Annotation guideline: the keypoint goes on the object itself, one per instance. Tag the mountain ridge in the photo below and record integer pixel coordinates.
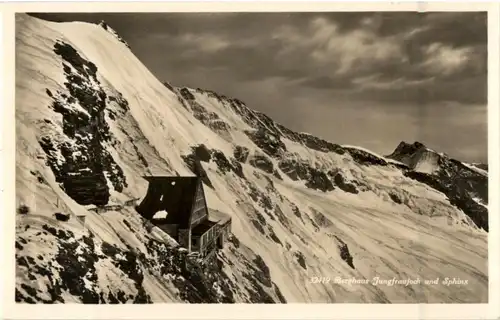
(88, 130)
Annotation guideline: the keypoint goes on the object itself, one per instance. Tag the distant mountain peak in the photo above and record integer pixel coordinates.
(408, 148)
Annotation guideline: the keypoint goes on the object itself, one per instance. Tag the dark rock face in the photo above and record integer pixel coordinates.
(268, 142)
(209, 119)
(86, 163)
(294, 169)
(458, 182)
(262, 162)
(23, 209)
(186, 94)
(202, 153)
(168, 85)
(405, 149)
(300, 259)
(460, 193)
(318, 144)
(76, 260)
(301, 170)
(395, 198)
(341, 182)
(222, 163)
(365, 158)
(237, 168)
(277, 174)
(319, 180)
(62, 216)
(241, 153)
(344, 252)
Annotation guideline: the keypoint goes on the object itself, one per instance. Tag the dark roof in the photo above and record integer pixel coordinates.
(172, 194)
(203, 227)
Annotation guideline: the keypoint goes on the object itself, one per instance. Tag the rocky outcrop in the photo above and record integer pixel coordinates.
(318, 144)
(267, 141)
(79, 160)
(186, 94)
(365, 158)
(319, 180)
(343, 184)
(463, 185)
(294, 168)
(262, 162)
(209, 119)
(344, 252)
(241, 153)
(404, 150)
(457, 194)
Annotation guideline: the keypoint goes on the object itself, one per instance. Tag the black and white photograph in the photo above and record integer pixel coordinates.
(251, 157)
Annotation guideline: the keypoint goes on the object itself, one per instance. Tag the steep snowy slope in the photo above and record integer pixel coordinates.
(91, 120)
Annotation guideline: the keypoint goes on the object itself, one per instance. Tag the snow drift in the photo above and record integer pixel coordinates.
(91, 120)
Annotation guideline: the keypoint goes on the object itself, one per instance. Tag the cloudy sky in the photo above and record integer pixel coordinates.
(371, 79)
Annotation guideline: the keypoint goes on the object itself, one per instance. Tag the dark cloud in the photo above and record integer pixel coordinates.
(325, 82)
(273, 60)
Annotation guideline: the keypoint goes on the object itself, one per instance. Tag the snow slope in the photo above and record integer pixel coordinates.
(90, 116)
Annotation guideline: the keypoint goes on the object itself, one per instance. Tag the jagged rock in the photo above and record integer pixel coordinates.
(296, 211)
(62, 216)
(458, 196)
(273, 235)
(186, 94)
(237, 168)
(318, 144)
(277, 174)
(39, 177)
(222, 163)
(460, 183)
(395, 198)
(168, 85)
(294, 169)
(87, 163)
(209, 119)
(365, 158)
(319, 180)
(341, 182)
(241, 153)
(404, 149)
(262, 162)
(300, 259)
(23, 209)
(344, 252)
(268, 142)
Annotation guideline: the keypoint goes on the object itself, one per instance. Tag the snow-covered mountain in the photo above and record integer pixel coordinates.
(91, 120)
